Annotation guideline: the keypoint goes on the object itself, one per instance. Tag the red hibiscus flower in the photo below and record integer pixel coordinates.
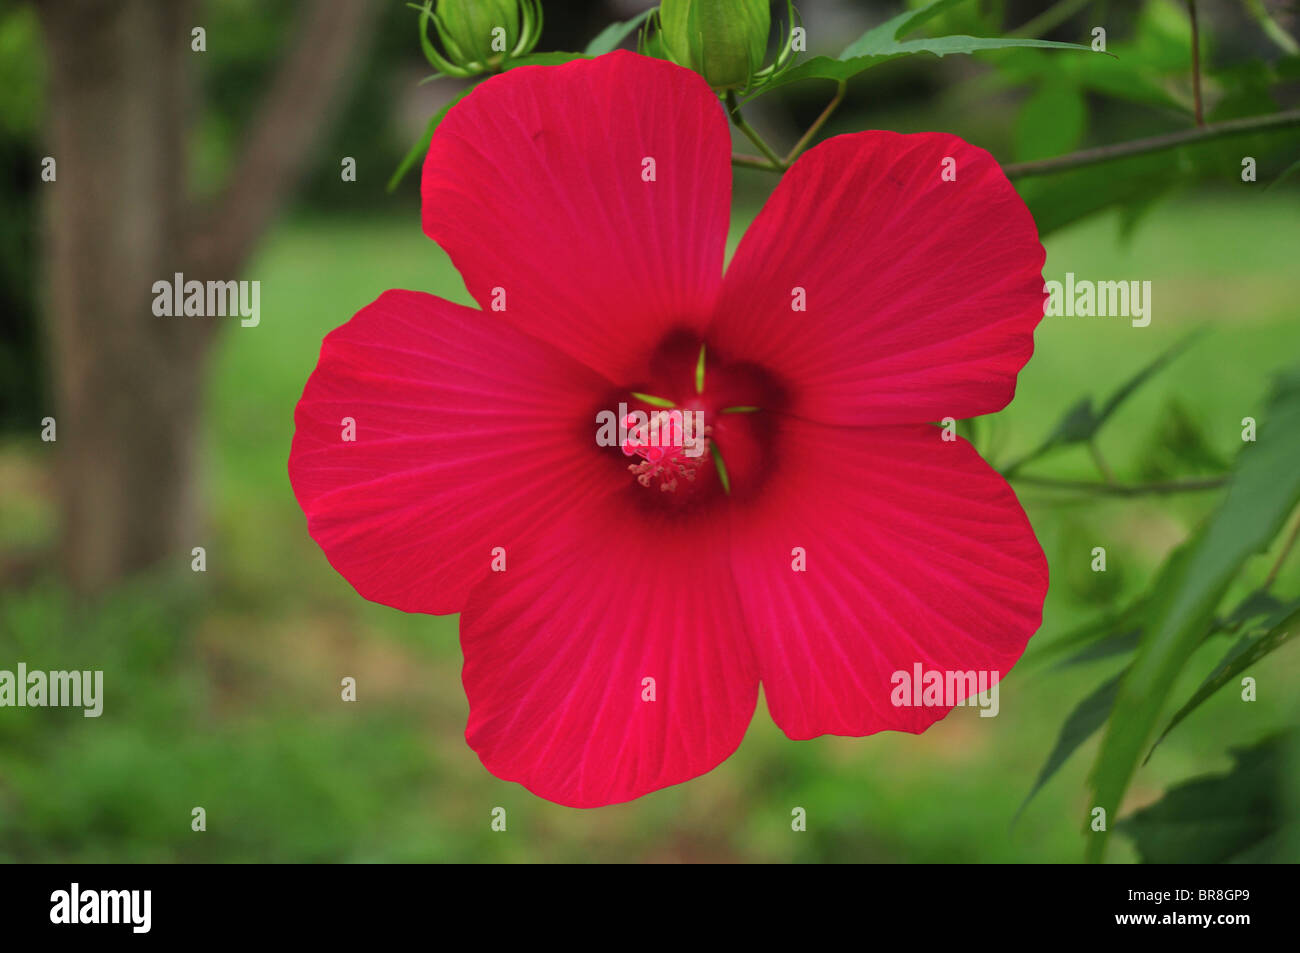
(616, 628)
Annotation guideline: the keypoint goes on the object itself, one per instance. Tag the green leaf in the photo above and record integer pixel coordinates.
(609, 38)
(421, 147)
(1117, 642)
(1220, 818)
(897, 27)
(1076, 425)
(1265, 487)
(1256, 613)
(885, 42)
(1088, 716)
(1134, 383)
(1081, 423)
(1248, 650)
(848, 65)
(1106, 638)
(1120, 634)
(1085, 636)
(1126, 635)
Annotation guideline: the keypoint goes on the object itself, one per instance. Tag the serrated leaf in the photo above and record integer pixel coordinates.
(1265, 487)
(825, 67)
(885, 42)
(897, 27)
(1247, 651)
(1121, 633)
(1219, 818)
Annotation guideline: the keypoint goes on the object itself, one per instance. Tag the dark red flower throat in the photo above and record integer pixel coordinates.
(699, 428)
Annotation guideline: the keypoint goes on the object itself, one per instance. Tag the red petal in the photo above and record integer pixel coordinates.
(916, 551)
(557, 649)
(469, 435)
(922, 294)
(533, 184)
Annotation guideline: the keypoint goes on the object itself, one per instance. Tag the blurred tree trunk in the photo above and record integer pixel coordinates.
(128, 385)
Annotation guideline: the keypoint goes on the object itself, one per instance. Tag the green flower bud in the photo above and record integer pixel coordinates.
(479, 35)
(725, 41)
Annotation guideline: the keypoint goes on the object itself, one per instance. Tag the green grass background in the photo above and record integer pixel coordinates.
(223, 688)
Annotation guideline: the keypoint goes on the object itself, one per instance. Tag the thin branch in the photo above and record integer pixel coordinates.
(1135, 147)
(807, 137)
(1123, 489)
(774, 163)
(1121, 150)
(1196, 63)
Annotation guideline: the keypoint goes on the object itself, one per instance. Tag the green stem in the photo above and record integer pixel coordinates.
(1271, 27)
(1123, 489)
(733, 109)
(752, 162)
(772, 163)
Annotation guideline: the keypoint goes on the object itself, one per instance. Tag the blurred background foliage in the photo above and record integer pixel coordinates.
(223, 688)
